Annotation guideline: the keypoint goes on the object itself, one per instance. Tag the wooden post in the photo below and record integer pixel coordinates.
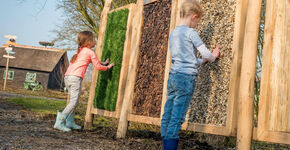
(168, 57)
(125, 60)
(128, 96)
(237, 53)
(67, 99)
(246, 95)
(6, 73)
(102, 28)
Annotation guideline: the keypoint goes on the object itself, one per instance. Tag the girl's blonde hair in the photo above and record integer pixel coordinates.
(85, 38)
(191, 7)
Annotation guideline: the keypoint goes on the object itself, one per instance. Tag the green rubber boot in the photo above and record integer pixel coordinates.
(70, 122)
(59, 123)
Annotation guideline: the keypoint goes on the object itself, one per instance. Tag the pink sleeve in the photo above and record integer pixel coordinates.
(97, 64)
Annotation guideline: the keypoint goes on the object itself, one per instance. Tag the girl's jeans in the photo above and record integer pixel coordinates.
(180, 88)
(74, 86)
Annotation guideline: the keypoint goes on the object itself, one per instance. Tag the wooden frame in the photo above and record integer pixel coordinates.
(275, 66)
(124, 68)
(239, 29)
(246, 92)
(230, 128)
(131, 79)
(154, 120)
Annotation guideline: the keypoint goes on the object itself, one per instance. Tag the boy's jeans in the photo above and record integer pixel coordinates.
(180, 88)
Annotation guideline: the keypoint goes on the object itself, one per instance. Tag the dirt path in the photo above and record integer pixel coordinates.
(22, 129)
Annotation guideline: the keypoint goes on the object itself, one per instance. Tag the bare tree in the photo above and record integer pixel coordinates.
(80, 15)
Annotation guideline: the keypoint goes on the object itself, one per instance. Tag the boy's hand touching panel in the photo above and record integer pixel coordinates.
(216, 52)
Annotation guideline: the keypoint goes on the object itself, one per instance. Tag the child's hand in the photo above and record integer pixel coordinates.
(106, 62)
(216, 52)
(110, 65)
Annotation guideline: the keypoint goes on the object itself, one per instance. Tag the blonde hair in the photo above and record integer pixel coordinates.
(191, 7)
(84, 40)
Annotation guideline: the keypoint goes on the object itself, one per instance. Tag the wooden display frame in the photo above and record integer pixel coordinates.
(231, 125)
(147, 119)
(274, 24)
(124, 69)
(230, 128)
(277, 37)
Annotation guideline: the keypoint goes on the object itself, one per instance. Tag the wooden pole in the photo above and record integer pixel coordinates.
(128, 96)
(246, 94)
(168, 56)
(237, 53)
(67, 99)
(6, 73)
(125, 61)
(89, 116)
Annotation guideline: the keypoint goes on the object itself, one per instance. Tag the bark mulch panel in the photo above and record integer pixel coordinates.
(152, 59)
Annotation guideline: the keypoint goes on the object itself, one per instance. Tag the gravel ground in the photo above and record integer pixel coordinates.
(22, 129)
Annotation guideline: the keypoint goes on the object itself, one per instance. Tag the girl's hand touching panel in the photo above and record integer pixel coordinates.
(106, 62)
(110, 65)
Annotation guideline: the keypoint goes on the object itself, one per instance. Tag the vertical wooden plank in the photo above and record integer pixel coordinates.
(168, 57)
(287, 24)
(280, 40)
(102, 28)
(6, 72)
(137, 25)
(275, 74)
(125, 63)
(237, 53)
(263, 118)
(246, 93)
(67, 98)
(286, 76)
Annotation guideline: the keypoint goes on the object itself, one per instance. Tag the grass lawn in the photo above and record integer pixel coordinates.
(45, 107)
(49, 108)
(44, 93)
(40, 106)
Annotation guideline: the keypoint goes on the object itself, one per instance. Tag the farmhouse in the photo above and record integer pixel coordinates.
(40, 65)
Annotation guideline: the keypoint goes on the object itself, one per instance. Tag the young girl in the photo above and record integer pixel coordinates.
(74, 76)
(184, 42)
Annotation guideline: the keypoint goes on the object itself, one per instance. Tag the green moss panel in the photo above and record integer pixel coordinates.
(108, 82)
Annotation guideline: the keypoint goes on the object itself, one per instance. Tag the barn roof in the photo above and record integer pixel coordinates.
(33, 58)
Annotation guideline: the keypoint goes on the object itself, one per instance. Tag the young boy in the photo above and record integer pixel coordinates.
(184, 42)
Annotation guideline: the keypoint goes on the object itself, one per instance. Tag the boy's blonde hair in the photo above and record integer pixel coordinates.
(191, 7)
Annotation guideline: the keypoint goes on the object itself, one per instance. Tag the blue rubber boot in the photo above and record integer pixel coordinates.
(163, 144)
(170, 144)
(70, 122)
(59, 123)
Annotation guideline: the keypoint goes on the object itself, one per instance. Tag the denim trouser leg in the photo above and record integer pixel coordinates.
(167, 108)
(181, 87)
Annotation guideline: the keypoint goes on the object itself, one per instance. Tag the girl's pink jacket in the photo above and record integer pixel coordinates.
(84, 58)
